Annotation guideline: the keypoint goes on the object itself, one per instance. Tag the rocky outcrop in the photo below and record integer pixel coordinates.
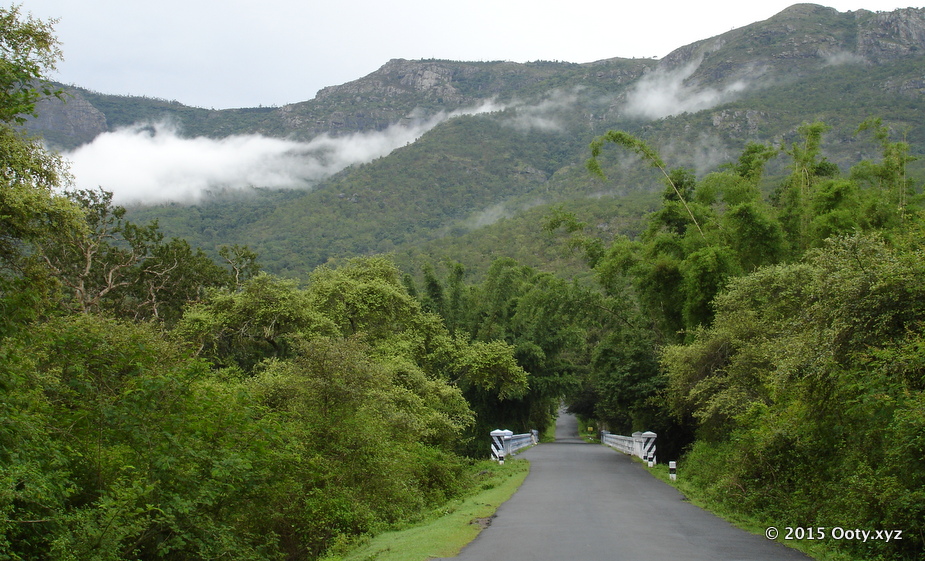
(797, 41)
(739, 121)
(385, 97)
(67, 123)
(891, 35)
(431, 79)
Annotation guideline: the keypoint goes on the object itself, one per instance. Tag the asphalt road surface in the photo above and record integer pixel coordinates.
(588, 502)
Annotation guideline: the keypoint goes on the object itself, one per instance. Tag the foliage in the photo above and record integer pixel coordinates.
(121, 443)
(727, 285)
(809, 382)
(546, 325)
(28, 50)
(122, 448)
(129, 270)
(30, 208)
(638, 146)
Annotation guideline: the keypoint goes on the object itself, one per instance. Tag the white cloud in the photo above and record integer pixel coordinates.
(664, 93)
(843, 57)
(153, 163)
(547, 115)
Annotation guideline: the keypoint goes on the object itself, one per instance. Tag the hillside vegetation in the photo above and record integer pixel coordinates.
(273, 374)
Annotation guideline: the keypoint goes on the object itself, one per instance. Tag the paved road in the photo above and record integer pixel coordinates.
(587, 502)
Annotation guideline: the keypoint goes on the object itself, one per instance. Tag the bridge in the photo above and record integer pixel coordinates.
(587, 502)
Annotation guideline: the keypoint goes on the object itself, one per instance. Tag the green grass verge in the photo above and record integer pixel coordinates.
(548, 434)
(449, 528)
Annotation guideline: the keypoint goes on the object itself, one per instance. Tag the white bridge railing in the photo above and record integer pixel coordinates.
(506, 443)
(641, 444)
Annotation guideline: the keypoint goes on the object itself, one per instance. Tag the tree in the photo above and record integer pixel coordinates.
(242, 260)
(794, 196)
(807, 389)
(262, 320)
(890, 175)
(28, 50)
(128, 270)
(88, 262)
(30, 209)
(116, 445)
(750, 165)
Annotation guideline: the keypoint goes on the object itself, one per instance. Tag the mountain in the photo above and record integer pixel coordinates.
(477, 186)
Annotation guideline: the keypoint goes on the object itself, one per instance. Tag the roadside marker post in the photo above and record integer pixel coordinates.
(673, 470)
(506, 443)
(498, 448)
(648, 447)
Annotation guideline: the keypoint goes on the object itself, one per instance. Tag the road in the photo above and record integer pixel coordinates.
(587, 502)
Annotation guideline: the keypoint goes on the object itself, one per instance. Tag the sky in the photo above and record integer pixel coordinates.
(243, 53)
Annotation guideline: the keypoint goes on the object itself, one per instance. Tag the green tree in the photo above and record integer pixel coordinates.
(751, 163)
(30, 208)
(794, 196)
(890, 176)
(28, 51)
(537, 322)
(121, 447)
(755, 237)
(89, 263)
(260, 321)
(124, 269)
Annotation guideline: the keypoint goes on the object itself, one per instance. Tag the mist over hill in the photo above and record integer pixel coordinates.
(423, 155)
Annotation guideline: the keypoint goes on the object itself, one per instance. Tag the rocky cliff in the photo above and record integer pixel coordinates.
(68, 122)
(799, 39)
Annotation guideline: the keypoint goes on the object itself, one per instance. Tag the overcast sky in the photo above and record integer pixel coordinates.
(241, 53)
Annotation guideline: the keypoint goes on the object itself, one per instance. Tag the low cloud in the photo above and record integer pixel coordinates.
(703, 155)
(663, 93)
(841, 58)
(154, 163)
(548, 115)
(488, 216)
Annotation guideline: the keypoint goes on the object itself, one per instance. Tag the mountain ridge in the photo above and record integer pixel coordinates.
(700, 105)
(402, 89)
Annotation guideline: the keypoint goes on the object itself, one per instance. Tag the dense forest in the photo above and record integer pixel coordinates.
(162, 403)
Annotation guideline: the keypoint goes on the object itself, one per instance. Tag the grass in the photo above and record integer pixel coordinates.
(450, 528)
(548, 434)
